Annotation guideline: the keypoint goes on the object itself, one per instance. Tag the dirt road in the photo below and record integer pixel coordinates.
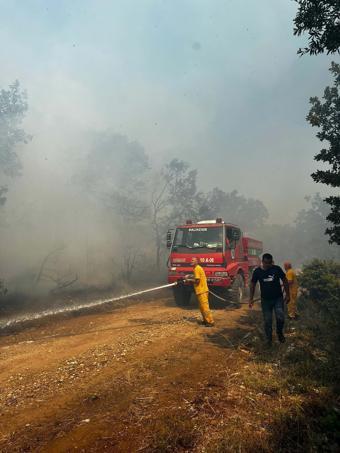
(148, 377)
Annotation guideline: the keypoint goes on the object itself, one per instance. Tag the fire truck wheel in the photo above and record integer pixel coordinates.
(237, 289)
(182, 296)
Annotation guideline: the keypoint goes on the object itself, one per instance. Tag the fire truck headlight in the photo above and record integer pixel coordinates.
(221, 274)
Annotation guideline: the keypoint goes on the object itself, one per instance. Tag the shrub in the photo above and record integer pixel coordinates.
(321, 281)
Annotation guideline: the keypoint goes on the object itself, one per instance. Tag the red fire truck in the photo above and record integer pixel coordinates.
(226, 254)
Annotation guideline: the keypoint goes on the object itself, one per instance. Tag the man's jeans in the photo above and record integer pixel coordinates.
(267, 309)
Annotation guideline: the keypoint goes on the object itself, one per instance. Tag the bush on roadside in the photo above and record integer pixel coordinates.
(320, 281)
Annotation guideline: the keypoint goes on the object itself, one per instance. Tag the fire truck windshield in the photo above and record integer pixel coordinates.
(206, 239)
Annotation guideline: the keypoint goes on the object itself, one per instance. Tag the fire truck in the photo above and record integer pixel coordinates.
(227, 255)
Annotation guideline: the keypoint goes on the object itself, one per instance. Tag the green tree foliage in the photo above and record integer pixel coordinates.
(321, 20)
(13, 107)
(321, 280)
(326, 116)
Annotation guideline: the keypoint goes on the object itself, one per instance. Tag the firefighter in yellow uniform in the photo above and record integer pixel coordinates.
(293, 289)
(202, 292)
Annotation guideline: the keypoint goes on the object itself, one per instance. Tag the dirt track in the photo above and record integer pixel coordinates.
(120, 380)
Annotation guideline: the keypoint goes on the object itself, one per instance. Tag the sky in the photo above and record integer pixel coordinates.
(217, 83)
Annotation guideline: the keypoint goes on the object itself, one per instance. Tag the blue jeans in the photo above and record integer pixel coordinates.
(268, 306)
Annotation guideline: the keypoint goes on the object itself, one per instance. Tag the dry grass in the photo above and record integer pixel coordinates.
(174, 433)
(284, 399)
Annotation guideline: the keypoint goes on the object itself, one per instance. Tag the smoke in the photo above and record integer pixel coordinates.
(216, 84)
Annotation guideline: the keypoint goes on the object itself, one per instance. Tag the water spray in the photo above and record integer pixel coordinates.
(75, 308)
(96, 303)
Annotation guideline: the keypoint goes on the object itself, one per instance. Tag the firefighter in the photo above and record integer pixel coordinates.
(293, 289)
(269, 276)
(202, 292)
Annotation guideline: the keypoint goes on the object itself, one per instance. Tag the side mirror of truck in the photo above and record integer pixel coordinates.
(168, 239)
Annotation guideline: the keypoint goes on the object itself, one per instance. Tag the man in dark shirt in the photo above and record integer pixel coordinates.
(270, 276)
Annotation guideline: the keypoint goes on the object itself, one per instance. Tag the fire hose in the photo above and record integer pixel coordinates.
(169, 285)
(182, 281)
(231, 302)
(96, 303)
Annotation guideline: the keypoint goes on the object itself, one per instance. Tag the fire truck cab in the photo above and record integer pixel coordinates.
(227, 255)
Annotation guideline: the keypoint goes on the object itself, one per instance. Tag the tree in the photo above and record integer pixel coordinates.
(310, 225)
(280, 241)
(183, 196)
(130, 261)
(52, 272)
(326, 116)
(13, 107)
(116, 172)
(174, 198)
(159, 206)
(321, 281)
(249, 213)
(305, 239)
(319, 18)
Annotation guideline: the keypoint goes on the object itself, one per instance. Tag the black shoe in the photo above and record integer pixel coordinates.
(281, 338)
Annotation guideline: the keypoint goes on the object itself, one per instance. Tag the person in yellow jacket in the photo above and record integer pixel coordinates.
(293, 289)
(202, 292)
